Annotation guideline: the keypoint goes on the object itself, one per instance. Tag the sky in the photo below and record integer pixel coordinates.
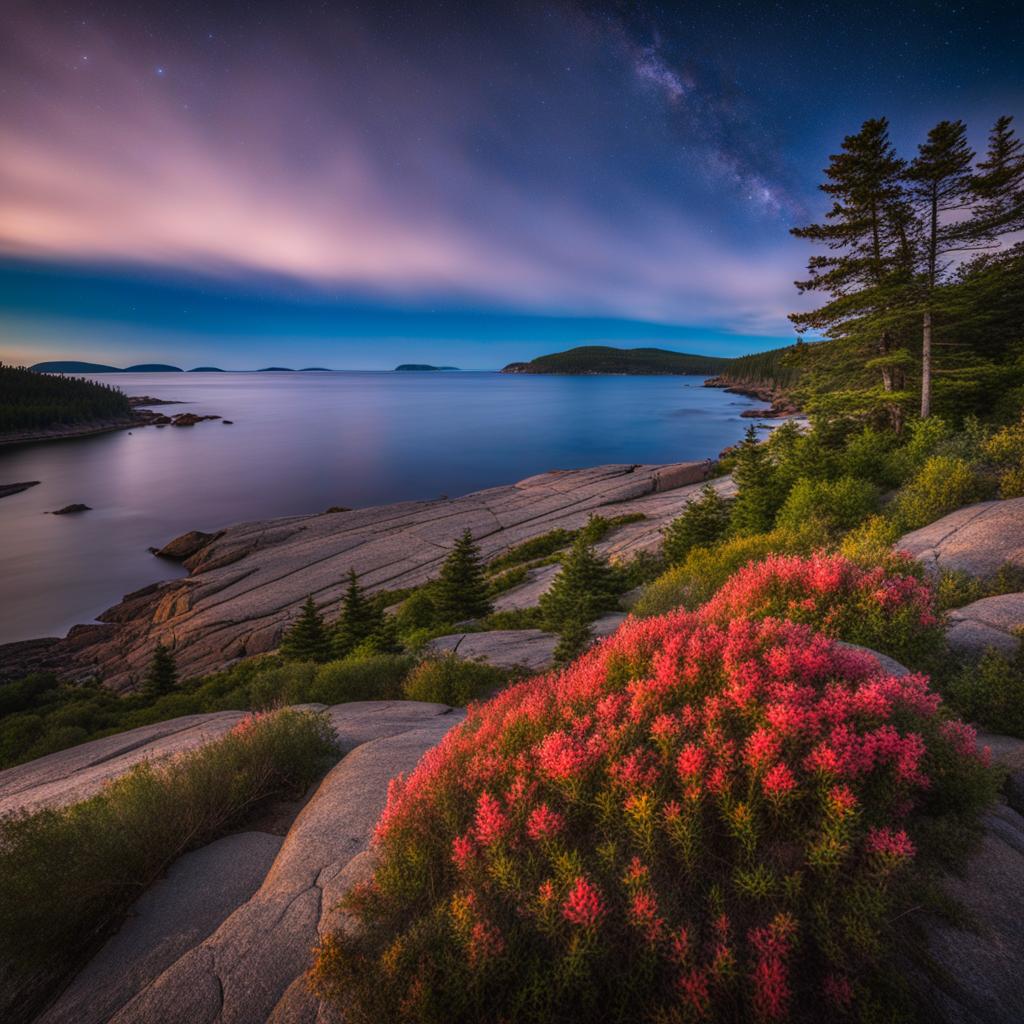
(356, 185)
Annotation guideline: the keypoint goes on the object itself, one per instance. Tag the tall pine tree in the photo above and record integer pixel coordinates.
(999, 182)
(162, 676)
(361, 619)
(869, 268)
(307, 638)
(942, 186)
(461, 591)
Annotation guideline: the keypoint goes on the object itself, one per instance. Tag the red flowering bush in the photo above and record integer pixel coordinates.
(694, 821)
(887, 609)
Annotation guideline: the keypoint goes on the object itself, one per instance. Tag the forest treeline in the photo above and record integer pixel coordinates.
(36, 401)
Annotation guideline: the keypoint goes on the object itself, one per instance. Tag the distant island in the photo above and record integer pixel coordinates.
(596, 359)
(320, 369)
(421, 366)
(74, 366)
(206, 369)
(276, 369)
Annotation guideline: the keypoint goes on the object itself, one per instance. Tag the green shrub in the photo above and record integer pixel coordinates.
(955, 588)
(537, 547)
(839, 505)
(451, 680)
(942, 485)
(508, 579)
(69, 875)
(1005, 449)
(706, 569)
(867, 455)
(418, 611)
(704, 521)
(368, 677)
(871, 542)
(991, 692)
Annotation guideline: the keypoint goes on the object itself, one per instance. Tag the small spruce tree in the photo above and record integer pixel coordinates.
(573, 639)
(162, 676)
(361, 619)
(586, 586)
(461, 591)
(703, 521)
(307, 638)
(759, 497)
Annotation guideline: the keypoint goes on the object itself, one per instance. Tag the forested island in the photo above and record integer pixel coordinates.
(595, 359)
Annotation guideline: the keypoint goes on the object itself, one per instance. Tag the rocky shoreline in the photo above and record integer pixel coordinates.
(247, 582)
(781, 405)
(141, 416)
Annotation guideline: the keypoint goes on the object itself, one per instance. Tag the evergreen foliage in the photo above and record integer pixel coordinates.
(702, 522)
(307, 639)
(758, 497)
(585, 587)
(162, 676)
(35, 401)
(361, 620)
(461, 591)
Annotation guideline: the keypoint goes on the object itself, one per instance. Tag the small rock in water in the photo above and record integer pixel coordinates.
(68, 509)
(227, 423)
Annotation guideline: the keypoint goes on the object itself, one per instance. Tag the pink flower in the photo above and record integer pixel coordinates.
(543, 822)
(643, 914)
(892, 847)
(691, 760)
(463, 850)
(485, 943)
(490, 822)
(778, 781)
(583, 906)
(838, 991)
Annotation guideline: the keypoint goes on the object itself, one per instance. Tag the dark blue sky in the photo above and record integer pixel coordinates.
(357, 185)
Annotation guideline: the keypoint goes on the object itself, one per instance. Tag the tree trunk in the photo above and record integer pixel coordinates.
(884, 346)
(926, 366)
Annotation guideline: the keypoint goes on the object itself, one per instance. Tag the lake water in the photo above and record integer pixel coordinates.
(302, 442)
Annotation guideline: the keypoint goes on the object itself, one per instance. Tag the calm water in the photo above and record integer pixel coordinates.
(301, 443)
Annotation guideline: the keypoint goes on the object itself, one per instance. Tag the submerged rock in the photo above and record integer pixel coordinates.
(69, 509)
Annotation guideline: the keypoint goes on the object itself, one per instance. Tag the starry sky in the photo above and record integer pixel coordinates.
(360, 184)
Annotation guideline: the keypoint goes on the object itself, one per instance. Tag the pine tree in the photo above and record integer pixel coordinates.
(307, 638)
(999, 182)
(759, 496)
(942, 185)
(162, 676)
(702, 522)
(868, 273)
(586, 586)
(573, 639)
(461, 590)
(361, 619)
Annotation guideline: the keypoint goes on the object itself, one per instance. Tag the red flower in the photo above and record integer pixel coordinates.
(583, 906)
(490, 822)
(543, 822)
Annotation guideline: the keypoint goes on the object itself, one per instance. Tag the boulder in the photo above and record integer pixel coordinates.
(979, 539)
(186, 545)
(201, 889)
(977, 980)
(531, 649)
(990, 622)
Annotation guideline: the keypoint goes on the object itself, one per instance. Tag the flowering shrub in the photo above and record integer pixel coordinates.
(879, 607)
(694, 821)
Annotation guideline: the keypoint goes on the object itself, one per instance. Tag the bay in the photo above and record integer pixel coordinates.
(300, 443)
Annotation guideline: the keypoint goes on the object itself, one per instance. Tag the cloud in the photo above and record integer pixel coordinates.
(386, 176)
